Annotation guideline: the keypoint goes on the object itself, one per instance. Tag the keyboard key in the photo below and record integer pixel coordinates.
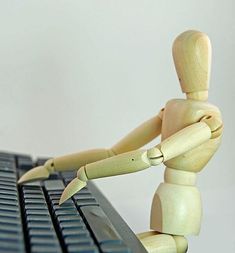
(41, 161)
(82, 249)
(33, 196)
(9, 208)
(10, 202)
(7, 168)
(55, 195)
(35, 190)
(74, 224)
(7, 156)
(35, 201)
(51, 185)
(37, 212)
(84, 198)
(48, 233)
(39, 218)
(12, 238)
(35, 206)
(6, 174)
(39, 225)
(83, 240)
(8, 247)
(100, 225)
(82, 195)
(86, 202)
(10, 229)
(24, 162)
(114, 248)
(61, 211)
(47, 249)
(10, 197)
(8, 188)
(67, 232)
(44, 240)
(69, 218)
(69, 206)
(67, 203)
(10, 215)
(7, 192)
(9, 219)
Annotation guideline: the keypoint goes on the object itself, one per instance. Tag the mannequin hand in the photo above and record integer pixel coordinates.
(38, 173)
(74, 186)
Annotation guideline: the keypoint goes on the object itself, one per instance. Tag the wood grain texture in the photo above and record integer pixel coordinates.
(155, 242)
(140, 136)
(77, 160)
(158, 243)
(184, 140)
(180, 114)
(129, 162)
(180, 209)
(192, 58)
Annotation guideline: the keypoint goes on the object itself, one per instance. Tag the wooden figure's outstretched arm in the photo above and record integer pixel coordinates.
(177, 144)
(140, 136)
(134, 140)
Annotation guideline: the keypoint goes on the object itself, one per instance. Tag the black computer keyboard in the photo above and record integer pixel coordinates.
(31, 219)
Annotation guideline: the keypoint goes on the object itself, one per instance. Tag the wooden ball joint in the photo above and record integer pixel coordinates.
(190, 130)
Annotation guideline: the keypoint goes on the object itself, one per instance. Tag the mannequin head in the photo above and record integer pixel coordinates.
(192, 58)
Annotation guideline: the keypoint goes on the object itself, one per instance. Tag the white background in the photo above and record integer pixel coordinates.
(76, 75)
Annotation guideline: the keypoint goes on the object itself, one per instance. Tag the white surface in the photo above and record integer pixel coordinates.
(81, 74)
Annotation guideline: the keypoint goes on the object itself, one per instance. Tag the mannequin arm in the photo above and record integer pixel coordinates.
(177, 144)
(140, 136)
(134, 140)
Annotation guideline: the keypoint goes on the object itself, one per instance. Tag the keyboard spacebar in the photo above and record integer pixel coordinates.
(101, 226)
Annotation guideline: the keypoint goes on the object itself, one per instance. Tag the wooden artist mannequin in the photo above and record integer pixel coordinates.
(190, 132)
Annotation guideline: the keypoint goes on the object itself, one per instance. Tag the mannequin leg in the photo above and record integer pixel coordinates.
(155, 242)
